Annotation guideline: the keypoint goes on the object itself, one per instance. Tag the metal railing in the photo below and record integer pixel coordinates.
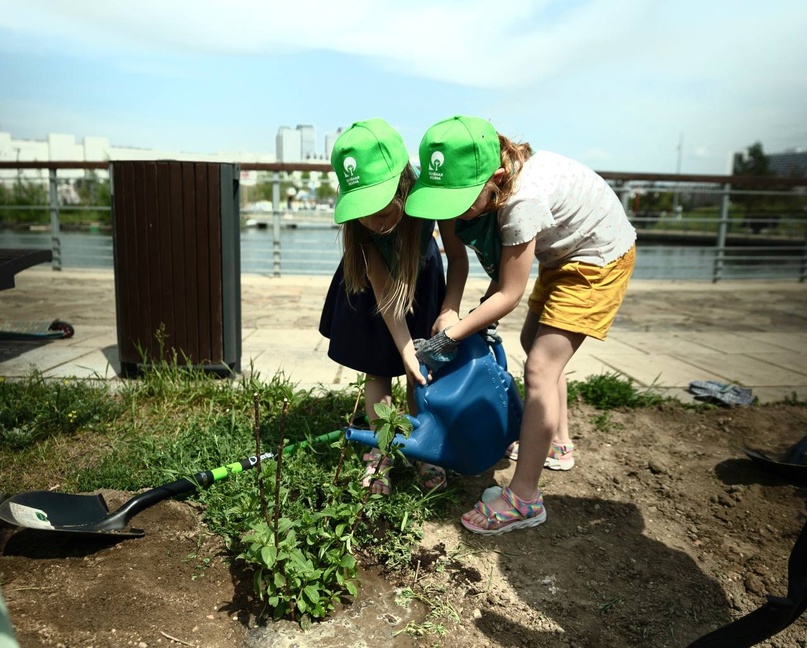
(714, 240)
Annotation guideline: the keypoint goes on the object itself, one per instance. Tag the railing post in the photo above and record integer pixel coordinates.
(623, 192)
(803, 273)
(276, 224)
(55, 238)
(722, 234)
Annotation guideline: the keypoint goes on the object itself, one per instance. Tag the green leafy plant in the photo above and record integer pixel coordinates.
(308, 566)
(389, 424)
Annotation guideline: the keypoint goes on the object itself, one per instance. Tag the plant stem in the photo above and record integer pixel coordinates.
(281, 438)
(343, 451)
(257, 430)
(279, 466)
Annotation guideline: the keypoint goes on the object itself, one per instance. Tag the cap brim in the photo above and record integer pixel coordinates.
(365, 201)
(440, 203)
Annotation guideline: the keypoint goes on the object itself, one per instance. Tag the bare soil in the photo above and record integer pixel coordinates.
(663, 532)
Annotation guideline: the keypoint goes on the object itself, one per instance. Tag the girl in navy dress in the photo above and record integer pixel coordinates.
(383, 296)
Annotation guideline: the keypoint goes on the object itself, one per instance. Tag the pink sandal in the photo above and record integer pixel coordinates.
(432, 478)
(522, 514)
(377, 473)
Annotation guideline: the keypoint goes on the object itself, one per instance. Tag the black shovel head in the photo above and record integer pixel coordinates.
(61, 512)
(790, 471)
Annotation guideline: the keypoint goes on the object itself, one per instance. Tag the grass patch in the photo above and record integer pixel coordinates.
(299, 522)
(611, 391)
(35, 409)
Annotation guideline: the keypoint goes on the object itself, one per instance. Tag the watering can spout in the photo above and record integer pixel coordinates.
(423, 444)
(466, 417)
(365, 437)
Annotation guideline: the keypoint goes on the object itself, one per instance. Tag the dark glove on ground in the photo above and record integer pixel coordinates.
(437, 351)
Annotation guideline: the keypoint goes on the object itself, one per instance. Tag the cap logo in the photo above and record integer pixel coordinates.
(435, 166)
(351, 177)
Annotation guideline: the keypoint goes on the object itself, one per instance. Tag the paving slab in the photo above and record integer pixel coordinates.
(662, 343)
(785, 340)
(727, 342)
(659, 369)
(748, 371)
(667, 333)
(795, 361)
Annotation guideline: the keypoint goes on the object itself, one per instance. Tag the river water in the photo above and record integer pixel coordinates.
(316, 251)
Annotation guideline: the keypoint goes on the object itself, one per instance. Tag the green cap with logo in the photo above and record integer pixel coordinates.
(368, 159)
(457, 157)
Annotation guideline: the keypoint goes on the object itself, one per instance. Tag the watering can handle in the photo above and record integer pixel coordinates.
(420, 390)
(499, 355)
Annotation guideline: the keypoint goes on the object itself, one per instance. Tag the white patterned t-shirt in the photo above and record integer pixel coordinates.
(570, 211)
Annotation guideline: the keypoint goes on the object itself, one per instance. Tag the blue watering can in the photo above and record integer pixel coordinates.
(467, 415)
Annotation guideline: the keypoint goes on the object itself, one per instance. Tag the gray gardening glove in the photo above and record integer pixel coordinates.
(489, 333)
(437, 351)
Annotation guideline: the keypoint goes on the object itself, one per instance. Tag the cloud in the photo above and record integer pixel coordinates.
(461, 42)
(455, 41)
(582, 77)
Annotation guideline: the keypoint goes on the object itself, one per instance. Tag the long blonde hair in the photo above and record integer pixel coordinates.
(399, 294)
(514, 155)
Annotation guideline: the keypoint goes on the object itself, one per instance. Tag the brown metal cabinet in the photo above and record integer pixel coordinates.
(176, 245)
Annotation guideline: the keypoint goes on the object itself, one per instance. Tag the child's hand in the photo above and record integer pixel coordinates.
(412, 368)
(445, 319)
(436, 351)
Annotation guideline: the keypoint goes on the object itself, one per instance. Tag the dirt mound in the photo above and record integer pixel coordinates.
(663, 532)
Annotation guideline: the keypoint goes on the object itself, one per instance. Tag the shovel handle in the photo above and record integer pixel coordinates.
(206, 478)
(120, 518)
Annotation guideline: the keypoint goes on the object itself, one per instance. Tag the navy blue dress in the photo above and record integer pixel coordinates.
(359, 337)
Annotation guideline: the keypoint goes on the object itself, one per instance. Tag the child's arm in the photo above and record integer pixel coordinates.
(504, 297)
(456, 275)
(379, 276)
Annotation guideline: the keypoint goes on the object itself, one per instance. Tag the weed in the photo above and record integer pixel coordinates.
(34, 409)
(439, 608)
(612, 390)
(604, 422)
(793, 399)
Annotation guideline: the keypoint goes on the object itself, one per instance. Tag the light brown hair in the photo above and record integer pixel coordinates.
(399, 294)
(514, 155)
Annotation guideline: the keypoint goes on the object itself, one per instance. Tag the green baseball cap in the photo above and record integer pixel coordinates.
(457, 157)
(368, 159)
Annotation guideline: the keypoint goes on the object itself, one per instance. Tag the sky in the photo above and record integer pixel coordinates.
(620, 85)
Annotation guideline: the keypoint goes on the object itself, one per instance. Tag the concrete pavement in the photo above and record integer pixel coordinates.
(667, 334)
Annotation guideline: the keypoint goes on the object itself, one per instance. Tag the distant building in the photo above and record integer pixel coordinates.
(59, 147)
(308, 142)
(330, 140)
(791, 163)
(288, 144)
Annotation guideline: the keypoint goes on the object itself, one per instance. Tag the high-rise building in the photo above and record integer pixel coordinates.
(308, 141)
(330, 140)
(288, 145)
(789, 163)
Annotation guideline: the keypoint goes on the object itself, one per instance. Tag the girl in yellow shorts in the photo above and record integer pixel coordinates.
(511, 205)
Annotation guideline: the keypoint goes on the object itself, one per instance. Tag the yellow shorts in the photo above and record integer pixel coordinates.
(581, 297)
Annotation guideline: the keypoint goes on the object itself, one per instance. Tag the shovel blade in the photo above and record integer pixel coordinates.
(49, 511)
(797, 472)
